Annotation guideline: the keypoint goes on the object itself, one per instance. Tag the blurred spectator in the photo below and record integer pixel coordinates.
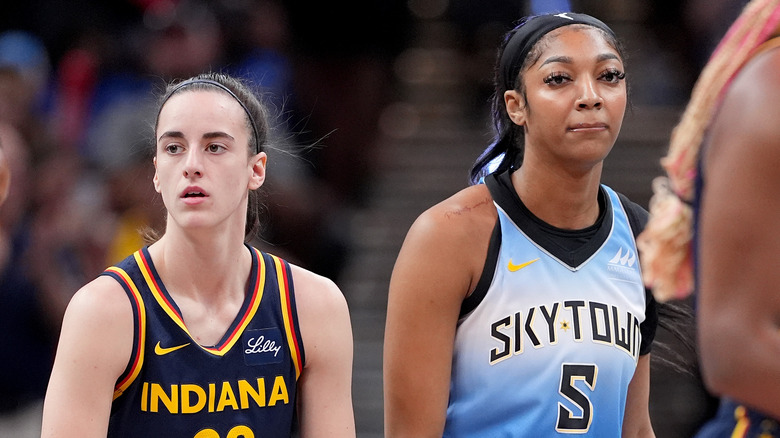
(184, 38)
(24, 77)
(341, 56)
(343, 79)
(297, 222)
(27, 344)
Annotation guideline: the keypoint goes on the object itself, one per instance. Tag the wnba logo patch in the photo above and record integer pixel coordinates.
(263, 346)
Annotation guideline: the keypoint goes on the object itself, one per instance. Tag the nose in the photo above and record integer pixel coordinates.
(589, 96)
(193, 164)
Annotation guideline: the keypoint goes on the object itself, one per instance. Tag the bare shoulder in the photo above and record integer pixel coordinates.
(315, 292)
(94, 349)
(444, 251)
(759, 76)
(467, 216)
(749, 112)
(102, 300)
(101, 313)
(466, 207)
(324, 320)
(325, 391)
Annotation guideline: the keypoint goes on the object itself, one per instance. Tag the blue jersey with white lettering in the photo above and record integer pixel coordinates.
(244, 386)
(551, 337)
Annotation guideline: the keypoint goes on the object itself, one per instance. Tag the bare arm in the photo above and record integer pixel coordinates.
(94, 348)
(636, 422)
(325, 387)
(434, 271)
(739, 302)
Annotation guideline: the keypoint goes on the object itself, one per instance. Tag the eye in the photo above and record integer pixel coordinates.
(557, 78)
(612, 75)
(215, 148)
(173, 148)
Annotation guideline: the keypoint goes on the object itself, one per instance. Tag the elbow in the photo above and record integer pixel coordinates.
(733, 354)
(722, 346)
(717, 378)
(719, 363)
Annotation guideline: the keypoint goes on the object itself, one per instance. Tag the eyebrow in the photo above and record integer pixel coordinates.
(569, 60)
(208, 135)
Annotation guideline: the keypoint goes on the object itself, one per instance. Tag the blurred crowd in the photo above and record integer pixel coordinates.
(78, 81)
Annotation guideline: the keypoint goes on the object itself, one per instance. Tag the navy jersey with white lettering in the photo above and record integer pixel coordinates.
(549, 341)
(244, 386)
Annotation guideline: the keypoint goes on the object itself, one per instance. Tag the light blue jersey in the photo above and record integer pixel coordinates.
(551, 347)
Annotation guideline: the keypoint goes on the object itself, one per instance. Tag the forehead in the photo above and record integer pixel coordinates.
(575, 39)
(201, 106)
(200, 99)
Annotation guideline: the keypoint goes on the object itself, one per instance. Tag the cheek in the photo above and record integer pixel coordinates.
(162, 178)
(616, 97)
(618, 108)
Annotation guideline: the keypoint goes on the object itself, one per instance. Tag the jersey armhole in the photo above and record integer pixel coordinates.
(136, 360)
(472, 301)
(294, 334)
(288, 308)
(637, 216)
(637, 219)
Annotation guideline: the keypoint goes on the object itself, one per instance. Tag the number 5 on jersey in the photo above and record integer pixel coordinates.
(568, 421)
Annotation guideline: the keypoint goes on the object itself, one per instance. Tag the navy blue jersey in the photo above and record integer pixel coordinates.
(734, 420)
(244, 386)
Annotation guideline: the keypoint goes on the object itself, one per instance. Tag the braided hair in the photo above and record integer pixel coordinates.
(665, 244)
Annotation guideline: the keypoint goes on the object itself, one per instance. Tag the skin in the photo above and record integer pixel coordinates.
(5, 176)
(738, 307)
(202, 144)
(571, 128)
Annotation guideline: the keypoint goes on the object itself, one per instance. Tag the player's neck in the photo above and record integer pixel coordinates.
(199, 268)
(561, 201)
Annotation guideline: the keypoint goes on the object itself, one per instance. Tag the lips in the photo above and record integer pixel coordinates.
(588, 127)
(193, 192)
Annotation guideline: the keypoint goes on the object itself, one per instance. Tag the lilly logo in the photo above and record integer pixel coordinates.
(262, 346)
(628, 259)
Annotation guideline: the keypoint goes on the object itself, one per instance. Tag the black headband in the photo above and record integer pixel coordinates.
(527, 34)
(189, 82)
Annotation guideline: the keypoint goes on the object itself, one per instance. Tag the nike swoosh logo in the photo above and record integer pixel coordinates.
(513, 267)
(160, 351)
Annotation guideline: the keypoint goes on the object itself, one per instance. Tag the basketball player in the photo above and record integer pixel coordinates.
(516, 307)
(200, 335)
(721, 190)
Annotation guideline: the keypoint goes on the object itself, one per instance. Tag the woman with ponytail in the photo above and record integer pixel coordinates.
(199, 334)
(516, 307)
(713, 222)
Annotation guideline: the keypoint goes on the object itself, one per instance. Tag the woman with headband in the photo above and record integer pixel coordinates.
(199, 335)
(719, 208)
(516, 307)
